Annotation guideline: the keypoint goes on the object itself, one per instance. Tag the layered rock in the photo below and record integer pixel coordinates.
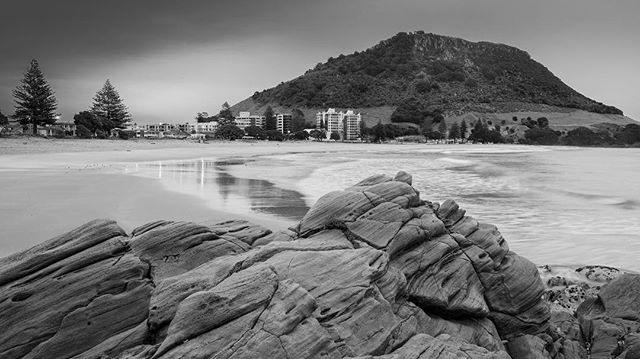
(371, 271)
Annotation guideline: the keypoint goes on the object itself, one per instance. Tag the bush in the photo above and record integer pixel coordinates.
(229, 132)
(256, 132)
(335, 136)
(583, 136)
(300, 135)
(83, 132)
(274, 135)
(541, 136)
(124, 135)
(450, 76)
(102, 134)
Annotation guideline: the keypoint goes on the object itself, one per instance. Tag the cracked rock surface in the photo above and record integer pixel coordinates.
(372, 271)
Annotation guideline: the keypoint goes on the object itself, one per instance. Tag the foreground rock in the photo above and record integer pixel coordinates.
(371, 271)
(595, 311)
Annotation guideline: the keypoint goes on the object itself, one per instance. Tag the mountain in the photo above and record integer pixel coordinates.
(449, 74)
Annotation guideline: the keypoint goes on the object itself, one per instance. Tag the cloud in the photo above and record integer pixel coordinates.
(195, 55)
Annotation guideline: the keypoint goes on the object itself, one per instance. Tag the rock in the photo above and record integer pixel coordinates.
(424, 346)
(621, 297)
(176, 247)
(370, 271)
(240, 294)
(403, 176)
(528, 347)
(240, 230)
(86, 290)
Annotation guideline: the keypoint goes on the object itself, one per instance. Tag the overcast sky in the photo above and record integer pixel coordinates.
(171, 59)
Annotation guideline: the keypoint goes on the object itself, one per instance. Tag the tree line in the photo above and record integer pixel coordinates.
(36, 105)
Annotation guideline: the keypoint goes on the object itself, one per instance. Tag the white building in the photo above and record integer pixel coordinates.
(284, 123)
(346, 124)
(203, 127)
(245, 119)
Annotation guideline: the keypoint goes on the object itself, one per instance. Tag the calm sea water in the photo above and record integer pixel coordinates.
(554, 205)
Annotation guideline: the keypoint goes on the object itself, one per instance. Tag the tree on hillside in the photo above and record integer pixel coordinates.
(108, 105)
(226, 116)
(454, 131)
(270, 123)
(364, 130)
(442, 128)
(463, 129)
(298, 120)
(35, 100)
(379, 132)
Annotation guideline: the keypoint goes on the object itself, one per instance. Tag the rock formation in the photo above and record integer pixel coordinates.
(369, 272)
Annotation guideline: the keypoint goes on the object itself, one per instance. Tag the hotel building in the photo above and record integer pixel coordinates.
(284, 123)
(245, 119)
(346, 124)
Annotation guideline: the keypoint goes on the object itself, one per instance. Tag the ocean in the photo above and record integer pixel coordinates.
(554, 205)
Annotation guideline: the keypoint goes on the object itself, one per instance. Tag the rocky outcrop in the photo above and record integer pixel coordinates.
(371, 271)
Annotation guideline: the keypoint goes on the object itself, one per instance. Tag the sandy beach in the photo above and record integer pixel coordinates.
(49, 186)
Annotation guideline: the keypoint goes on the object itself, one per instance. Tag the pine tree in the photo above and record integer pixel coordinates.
(108, 106)
(442, 128)
(454, 131)
(35, 100)
(225, 116)
(463, 129)
(270, 121)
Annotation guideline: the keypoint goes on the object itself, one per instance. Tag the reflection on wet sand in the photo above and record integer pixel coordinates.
(209, 179)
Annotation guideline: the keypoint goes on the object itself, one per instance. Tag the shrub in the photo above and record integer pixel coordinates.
(541, 136)
(300, 135)
(335, 136)
(583, 136)
(229, 132)
(124, 135)
(274, 135)
(83, 132)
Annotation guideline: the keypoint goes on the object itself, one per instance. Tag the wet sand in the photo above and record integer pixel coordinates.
(49, 186)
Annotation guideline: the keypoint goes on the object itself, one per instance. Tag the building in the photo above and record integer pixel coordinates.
(351, 122)
(245, 119)
(68, 127)
(346, 124)
(284, 123)
(206, 127)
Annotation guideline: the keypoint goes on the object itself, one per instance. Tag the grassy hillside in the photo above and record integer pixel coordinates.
(450, 74)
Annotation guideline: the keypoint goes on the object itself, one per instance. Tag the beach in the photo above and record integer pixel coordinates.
(50, 186)
(555, 205)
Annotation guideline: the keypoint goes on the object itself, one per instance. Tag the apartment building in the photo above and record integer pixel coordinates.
(284, 123)
(245, 119)
(346, 124)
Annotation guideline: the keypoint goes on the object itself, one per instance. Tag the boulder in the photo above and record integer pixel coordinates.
(371, 271)
(84, 289)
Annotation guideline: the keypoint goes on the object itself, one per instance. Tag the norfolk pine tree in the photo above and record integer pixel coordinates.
(108, 105)
(35, 100)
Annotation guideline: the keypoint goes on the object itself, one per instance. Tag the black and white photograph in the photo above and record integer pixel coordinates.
(328, 179)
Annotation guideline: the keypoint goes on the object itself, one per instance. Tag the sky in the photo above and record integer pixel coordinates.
(172, 59)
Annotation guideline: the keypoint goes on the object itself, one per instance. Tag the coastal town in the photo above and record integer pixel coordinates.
(331, 124)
